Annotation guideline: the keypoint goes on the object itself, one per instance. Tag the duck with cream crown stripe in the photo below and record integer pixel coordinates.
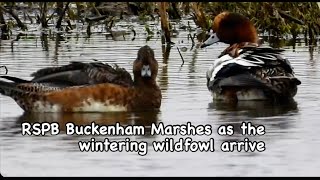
(143, 94)
(246, 70)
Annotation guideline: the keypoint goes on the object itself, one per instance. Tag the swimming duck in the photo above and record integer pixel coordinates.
(143, 94)
(246, 70)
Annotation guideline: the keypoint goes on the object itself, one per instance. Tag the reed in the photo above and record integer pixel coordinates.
(282, 20)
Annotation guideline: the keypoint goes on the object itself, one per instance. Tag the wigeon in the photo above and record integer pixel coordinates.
(246, 70)
(89, 87)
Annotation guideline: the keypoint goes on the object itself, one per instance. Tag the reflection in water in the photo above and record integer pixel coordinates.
(58, 40)
(311, 51)
(163, 73)
(166, 53)
(288, 126)
(256, 108)
(44, 41)
(192, 66)
(257, 112)
(129, 118)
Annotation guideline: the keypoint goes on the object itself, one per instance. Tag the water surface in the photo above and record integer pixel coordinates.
(292, 141)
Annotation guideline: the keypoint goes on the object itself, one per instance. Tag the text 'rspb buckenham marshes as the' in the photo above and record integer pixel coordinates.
(168, 144)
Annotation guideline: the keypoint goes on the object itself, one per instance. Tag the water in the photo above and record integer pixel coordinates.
(291, 139)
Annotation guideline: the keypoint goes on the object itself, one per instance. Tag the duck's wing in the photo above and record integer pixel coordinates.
(18, 85)
(19, 81)
(266, 57)
(250, 59)
(14, 79)
(262, 67)
(31, 96)
(78, 73)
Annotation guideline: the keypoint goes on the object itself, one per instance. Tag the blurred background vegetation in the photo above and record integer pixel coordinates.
(274, 20)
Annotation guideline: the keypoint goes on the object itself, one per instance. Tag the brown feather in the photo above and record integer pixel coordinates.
(142, 95)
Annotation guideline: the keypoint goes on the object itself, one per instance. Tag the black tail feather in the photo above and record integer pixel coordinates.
(15, 79)
(6, 88)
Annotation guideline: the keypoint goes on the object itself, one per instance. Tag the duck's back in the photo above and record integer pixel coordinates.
(78, 73)
(263, 69)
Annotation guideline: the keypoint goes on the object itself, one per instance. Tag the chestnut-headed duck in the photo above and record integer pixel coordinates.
(50, 94)
(246, 70)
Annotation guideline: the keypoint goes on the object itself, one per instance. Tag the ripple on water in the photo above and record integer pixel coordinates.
(291, 131)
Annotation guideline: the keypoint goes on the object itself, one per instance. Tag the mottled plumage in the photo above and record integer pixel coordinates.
(257, 73)
(91, 95)
(78, 73)
(245, 70)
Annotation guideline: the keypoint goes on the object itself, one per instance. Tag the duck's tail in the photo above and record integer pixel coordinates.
(14, 79)
(24, 96)
(11, 89)
(276, 88)
(283, 86)
(6, 88)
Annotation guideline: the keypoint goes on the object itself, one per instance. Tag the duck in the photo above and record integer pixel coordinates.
(247, 69)
(52, 90)
(78, 73)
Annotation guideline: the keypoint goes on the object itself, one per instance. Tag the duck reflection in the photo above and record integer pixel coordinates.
(256, 108)
(274, 116)
(145, 118)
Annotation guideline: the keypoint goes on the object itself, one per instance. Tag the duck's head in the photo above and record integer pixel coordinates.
(145, 67)
(231, 28)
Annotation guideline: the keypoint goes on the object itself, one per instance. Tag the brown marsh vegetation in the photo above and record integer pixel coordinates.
(274, 20)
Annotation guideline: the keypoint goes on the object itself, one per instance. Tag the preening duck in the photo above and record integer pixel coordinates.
(77, 74)
(94, 87)
(245, 70)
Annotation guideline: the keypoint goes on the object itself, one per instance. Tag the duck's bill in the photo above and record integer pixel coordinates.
(146, 71)
(211, 40)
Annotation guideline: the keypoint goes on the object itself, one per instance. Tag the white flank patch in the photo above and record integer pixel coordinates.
(93, 106)
(45, 107)
(216, 63)
(225, 60)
